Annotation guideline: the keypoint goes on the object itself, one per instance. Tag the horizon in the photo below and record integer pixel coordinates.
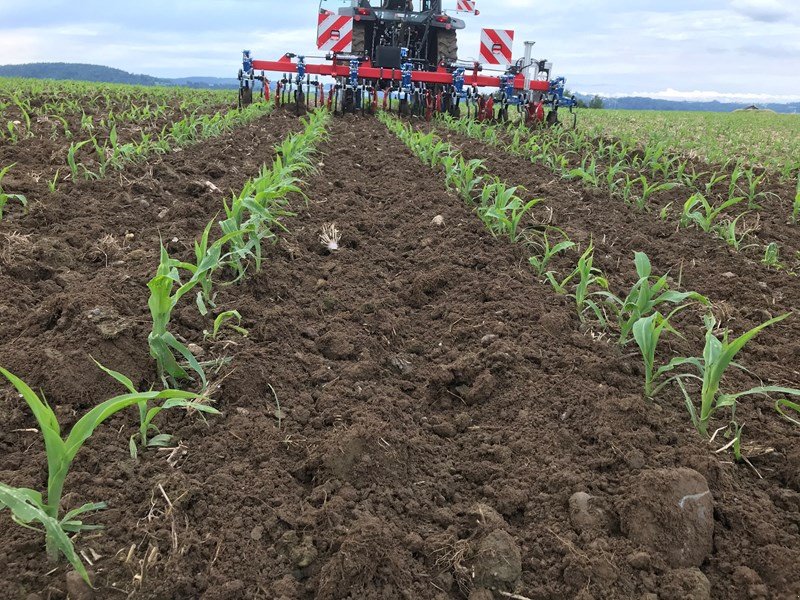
(606, 48)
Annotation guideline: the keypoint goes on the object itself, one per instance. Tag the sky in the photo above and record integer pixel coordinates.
(729, 50)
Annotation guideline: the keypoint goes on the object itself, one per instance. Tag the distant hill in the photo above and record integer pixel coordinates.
(76, 71)
(101, 74)
(638, 103)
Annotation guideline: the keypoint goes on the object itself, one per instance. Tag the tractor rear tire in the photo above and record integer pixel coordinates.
(359, 38)
(447, 43)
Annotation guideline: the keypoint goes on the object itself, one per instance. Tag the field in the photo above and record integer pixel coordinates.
(365, 357)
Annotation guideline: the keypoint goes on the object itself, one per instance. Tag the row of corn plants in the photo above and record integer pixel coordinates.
(252, 217)
(641, 314)
(28, 104)
(762, 138)
(194, 128)
(636, 175)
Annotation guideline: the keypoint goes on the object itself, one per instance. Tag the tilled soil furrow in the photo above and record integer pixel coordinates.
(75, 270)
(437, 416)
(746, 292)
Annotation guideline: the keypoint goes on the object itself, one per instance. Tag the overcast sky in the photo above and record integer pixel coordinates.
(712, 49)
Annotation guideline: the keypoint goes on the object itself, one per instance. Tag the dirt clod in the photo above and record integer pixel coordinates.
(685, 584)
(584, 514)
(671, 512)
(497, 562)
(77, 588)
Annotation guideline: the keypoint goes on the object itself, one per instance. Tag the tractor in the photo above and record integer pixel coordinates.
(404, 53)
(382, 30)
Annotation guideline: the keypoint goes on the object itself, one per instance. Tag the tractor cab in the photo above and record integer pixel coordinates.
(391, 33)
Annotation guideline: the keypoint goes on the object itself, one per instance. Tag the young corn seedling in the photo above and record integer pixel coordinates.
(735, 234)
(699, 211)
(53, 184)
(547, 250)
(463, 175)
(73, 164)
(147, 413)
(715, 179)
(613, 176)
(30, 507)
(783, 405)
(587, 173)
(208, 258)
(647, 333)
(718, 355)
(753, 181)
(796, 204)
(772, 255)
(163, 298)
(501, 210)
(647, 294)
(585, 276)
(4, 198)
(225, 318)
(737, 173)
(649, 189)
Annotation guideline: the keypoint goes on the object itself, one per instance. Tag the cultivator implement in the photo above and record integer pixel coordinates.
(394, 58)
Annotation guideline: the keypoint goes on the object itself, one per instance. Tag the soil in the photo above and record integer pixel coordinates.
(411, 416)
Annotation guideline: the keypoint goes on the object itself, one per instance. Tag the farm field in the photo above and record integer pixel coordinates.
(409, 407)
(762, 138)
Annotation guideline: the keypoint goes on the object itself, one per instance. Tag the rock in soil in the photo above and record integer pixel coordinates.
(671, 513)
(77, 588)
(497, 563)
(584, 514)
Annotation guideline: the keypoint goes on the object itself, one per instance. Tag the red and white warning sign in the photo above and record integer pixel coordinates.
(465, 6)
(496, 46)
(334, 33)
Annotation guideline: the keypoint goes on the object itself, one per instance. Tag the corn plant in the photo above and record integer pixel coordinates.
(647, 333)
(714, 179)
(462, 175)
(699, 211)
(71, 161)
(751, 191)
(147, 413)
(648, 189)
(28, 506)
(647, 294)
(208, 258)
(52, 185)
(772, 255)
(547, 250)
(163, 299)
(783, 404)
(587, 172)
(733, 234)
(718, 355)
(254, 214)
(501, 210)
(585, 277)
(614, 174)
(796, 203)
(225, 318)
(4, 197)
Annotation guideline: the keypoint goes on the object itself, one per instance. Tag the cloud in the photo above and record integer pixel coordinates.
(601, 46)
(767, 11)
